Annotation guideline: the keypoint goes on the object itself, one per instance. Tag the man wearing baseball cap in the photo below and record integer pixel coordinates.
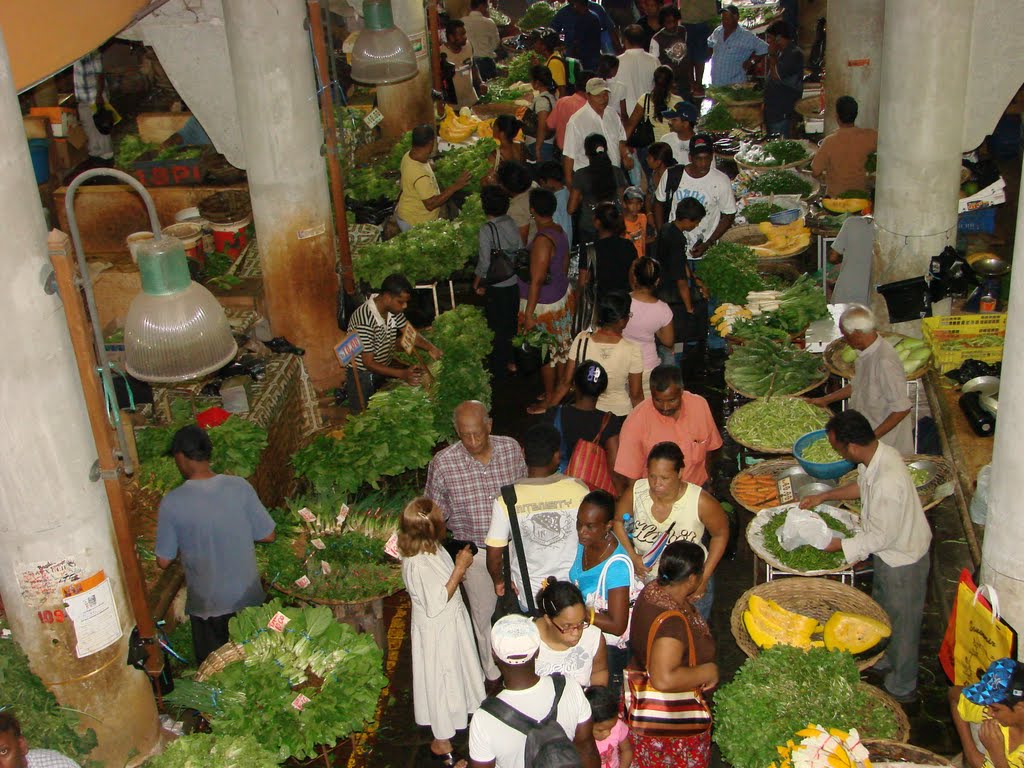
(735, 49)
(494, 738)
(708, 185)
(681, 120)
(992, 712)
(595, 117)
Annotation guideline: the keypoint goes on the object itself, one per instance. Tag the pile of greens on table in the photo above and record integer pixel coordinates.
(729, 271)
(765, 367)
(778, 182)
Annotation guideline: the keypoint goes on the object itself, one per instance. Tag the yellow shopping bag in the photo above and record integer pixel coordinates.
(981, 636)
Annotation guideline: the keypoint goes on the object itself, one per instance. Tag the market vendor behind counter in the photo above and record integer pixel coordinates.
(421, 199)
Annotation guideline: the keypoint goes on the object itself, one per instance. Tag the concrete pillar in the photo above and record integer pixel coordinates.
(920, 126)
(280, 120)
(54, 521)
(408, 104)
(1004, 528)
(853, 58)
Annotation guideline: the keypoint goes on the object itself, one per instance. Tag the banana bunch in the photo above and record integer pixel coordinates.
(727, 315)
(824, 748)
(457, 128)
(485, 130)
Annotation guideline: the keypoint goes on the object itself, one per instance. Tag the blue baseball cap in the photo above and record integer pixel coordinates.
(684, 110)
(1003, 681)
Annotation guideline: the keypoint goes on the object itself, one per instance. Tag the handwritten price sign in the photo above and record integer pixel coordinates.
(348, 348)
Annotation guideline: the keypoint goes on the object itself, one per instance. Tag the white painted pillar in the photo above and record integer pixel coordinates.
(50, 511)
(408, 104)
(279, 116)
(920, 126)
(853, 58)
(1004, 528)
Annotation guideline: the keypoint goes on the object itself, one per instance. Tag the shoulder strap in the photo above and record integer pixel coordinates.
(672, 183)
(603, 578)
(495, 234)
(604, 426)
(581, 351)
(656, 625)
(508, 493)
(513, 718)
(558, 681)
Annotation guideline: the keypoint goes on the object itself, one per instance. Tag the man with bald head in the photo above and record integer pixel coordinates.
(464, 479)
(879, 385)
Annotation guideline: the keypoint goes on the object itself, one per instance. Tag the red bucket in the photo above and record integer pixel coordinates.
(232, 237)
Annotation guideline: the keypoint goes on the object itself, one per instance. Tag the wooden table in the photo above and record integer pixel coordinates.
(967, 452)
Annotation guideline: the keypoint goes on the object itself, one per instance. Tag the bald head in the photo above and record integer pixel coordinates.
(473, 426)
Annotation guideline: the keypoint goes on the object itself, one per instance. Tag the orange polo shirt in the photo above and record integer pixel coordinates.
(693, 430)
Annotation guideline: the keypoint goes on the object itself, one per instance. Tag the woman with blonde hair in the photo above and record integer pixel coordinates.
(447, 681)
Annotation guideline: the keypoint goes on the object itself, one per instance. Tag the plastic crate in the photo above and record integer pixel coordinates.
(980, 220)
(952, 327)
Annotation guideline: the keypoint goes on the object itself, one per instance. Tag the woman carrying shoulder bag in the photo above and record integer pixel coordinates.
(499, 237)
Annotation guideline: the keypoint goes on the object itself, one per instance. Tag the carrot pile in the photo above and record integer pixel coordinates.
(755, 491)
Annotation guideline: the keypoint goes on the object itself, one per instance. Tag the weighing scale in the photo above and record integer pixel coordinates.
(991, 269)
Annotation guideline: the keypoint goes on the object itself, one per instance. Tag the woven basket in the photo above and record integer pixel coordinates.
(755, 538)
(836, 365)
(817, 598)
(227, 654)
(487, 111)
(813, 385)
(741, 189)
(810, 146)
(928, 493)
(881, 698)
(885, 751)
(771, 468)
(761, 448)
(750, 236)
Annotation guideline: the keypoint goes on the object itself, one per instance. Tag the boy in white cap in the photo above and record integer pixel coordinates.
(498, 733)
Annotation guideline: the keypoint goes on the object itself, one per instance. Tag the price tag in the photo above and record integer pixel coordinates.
(318, 544)
(300, 701)
(302, 582)
(391, 547)
(348, 348)
(786, 494)
(372, 119)
(408, 340)
(342, 514)
(325, 567)
(278, 622)
(307, 515)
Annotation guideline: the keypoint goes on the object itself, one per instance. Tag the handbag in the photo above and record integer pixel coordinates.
(502, 266)
(650, 712)
(599, 599)
(976, 635)
(643, 134)
(589, 462)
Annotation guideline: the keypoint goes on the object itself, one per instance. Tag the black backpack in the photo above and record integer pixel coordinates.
(547, 746)
(530, 117)
(573, 70)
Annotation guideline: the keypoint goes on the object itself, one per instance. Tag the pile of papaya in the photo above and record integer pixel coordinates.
(768, 624)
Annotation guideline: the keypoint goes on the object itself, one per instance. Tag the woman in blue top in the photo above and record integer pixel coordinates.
(604, 574)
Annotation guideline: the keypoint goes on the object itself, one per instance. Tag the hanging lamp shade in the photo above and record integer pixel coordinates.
(175, 330)
(382, 52)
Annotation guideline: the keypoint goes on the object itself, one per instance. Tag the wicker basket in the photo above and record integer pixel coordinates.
(771, 468)
(816, 598)
(744, 176)
(835, 363)
(885, 700)
(885, 751)
(810, 146)
(763, 449)
(750, 235)
(931, 493)
(813, 385)
(755, 538)
(227, 654)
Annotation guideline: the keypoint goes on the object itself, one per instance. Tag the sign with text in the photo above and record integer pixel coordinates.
(348, 348)
(408, 340)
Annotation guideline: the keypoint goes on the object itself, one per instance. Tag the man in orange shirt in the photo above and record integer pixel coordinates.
(674, 415)
(841, 157)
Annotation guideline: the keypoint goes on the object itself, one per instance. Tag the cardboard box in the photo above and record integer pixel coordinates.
(166, 173)
(70, 151)
(61, 118)
(36, 127)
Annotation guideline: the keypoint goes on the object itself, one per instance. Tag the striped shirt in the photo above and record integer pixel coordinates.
(376, 334)
(87, 71)
(47, 758)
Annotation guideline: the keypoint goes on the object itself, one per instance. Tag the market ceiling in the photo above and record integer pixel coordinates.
(45, 36)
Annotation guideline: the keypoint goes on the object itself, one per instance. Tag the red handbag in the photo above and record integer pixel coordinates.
(589, 462)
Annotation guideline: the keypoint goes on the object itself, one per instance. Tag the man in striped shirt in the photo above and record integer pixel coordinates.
(378, 322)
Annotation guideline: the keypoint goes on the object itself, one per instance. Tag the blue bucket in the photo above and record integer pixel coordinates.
(39, 149)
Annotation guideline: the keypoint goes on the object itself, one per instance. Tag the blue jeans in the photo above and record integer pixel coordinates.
(618, 658)
(703, 605)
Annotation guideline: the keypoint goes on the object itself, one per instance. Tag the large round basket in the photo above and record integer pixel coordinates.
(886, 751)
(751, 236)
(882, 699)
(227, 654)
(744, 177)
(938, 487)
(810, 146)
(813, 385)
(816, 598)
(770, 469)
(825, 412)
(835, 363)
(755, 538)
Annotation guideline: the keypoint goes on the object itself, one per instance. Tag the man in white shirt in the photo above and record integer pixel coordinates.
(681, 120)
(879, 385)
(494, 742)
(481, 30)
(595, 117)
(894, 529)
(636, 65)
(708, 185)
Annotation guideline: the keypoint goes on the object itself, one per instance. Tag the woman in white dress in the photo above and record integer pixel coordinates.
(569, 643)
(447, 681)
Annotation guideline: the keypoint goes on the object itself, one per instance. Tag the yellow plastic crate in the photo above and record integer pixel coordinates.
(959, 327)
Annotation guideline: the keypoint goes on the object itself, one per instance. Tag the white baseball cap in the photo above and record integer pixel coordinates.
(515, 639)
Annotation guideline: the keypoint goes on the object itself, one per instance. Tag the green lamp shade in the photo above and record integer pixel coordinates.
(382, 52)
(175, 330)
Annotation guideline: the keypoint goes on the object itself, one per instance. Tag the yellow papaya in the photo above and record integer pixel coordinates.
(845, 205)
(854, 633)
(766, 633)
(775, 613)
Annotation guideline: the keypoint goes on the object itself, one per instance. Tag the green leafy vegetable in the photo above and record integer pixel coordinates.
(718, 119)
(205, 750)
(730, 272)
(517, 70)
(804, 558)
(538, 14)
(465, 339)
(731, 94)
(765, 367)
(498, 91)
(755, 213)
(780, 691)
(477, 158)
(369, 184)
(778, 182)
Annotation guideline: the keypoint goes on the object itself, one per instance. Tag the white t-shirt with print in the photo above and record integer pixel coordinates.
(490, 739)
(713, 190)
(576, 662)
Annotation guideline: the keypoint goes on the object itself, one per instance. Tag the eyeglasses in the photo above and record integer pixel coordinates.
(572, 628)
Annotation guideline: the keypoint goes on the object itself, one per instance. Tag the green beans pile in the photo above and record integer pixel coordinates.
(776, 423)
(821, 452)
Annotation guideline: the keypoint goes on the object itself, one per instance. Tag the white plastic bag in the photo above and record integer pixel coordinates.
(804, 526)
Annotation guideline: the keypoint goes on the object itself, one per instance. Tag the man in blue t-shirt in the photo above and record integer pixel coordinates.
(211, 523)
(582, 29)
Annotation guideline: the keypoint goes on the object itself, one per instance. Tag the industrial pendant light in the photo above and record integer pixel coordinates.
(175, 330)
(382, 53)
